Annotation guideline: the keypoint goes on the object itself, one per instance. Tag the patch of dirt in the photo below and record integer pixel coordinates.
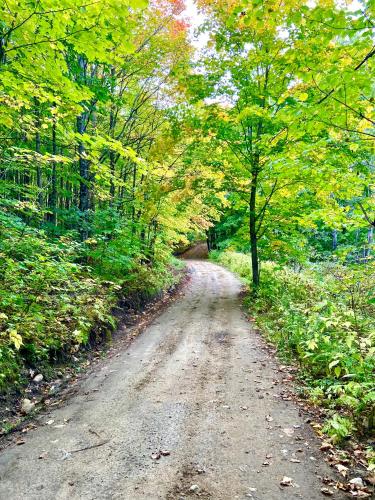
(187, 485)
(198, 251)
(222, 337)
(218, 402)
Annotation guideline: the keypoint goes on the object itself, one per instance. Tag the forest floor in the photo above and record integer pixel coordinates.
(195, 407)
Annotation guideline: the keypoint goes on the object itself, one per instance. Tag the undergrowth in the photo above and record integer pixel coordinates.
(323, 317)
(57, 295)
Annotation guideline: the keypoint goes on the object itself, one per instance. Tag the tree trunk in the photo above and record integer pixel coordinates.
(84, 172)
(53, 197)
(134, 183)
(370, 239)
(38, 151)
(38, 170)
(334, 239)
(253, 230)
(112, 124)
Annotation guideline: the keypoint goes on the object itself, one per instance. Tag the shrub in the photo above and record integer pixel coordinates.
(324, 318)
(52, 302)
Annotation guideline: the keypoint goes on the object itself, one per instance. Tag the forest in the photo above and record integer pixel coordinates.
(129, 131)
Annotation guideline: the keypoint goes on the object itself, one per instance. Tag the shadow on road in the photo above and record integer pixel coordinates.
(198, 252)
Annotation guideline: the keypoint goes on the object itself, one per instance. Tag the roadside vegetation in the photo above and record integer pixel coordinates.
(58, 295)
(321, 317)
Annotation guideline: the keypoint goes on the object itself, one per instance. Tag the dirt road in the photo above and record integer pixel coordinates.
(198, 385)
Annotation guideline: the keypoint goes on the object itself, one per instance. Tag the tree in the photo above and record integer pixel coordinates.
(268, 107)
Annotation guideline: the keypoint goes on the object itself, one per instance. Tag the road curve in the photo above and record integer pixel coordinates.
(197, 384)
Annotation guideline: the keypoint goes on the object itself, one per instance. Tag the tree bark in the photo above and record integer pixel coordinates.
(84, 172)
(134, 183)
(334, 239)
(253, 230)
(112, 124)
(38, 170)
(53, 197)
(38, 151)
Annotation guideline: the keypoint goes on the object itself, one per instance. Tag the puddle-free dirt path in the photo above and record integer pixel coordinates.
(197, 385)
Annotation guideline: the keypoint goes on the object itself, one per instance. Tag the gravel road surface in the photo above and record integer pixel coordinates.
(193, 409)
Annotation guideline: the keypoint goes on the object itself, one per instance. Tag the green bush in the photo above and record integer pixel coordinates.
(57, 294)
(48, 303)
(323, 317)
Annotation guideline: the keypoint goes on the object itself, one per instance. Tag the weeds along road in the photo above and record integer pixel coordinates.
(191, 410)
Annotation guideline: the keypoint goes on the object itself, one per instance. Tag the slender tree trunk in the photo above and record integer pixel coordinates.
(134, 183)
(370, 239)
(38, 151)
(38, 171)
(253, 230)
(357, 251)
(53, 197)
(52, 201)
(84, 172)
(208, 239)
(112, 124)
(3, 44)
(63, 197)
(153, 240)
(334, 239)
(112, 170)
(370, 236)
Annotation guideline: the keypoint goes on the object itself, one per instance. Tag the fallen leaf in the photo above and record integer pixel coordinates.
(361, 494)
(342, 469)
(326, 446)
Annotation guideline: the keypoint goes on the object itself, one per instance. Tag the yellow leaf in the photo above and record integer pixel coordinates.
(15, 338)
(303, 96)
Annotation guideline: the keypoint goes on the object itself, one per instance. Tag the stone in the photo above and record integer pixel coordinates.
(27, 406)
(357, 482)
(194, 488)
